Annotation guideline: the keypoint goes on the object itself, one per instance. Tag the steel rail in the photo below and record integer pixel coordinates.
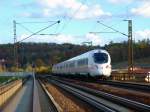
(54, 105)
(119, 100)
(127, 85)
(85, 97)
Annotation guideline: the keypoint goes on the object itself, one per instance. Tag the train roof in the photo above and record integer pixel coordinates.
(87, 53)
(84, 55)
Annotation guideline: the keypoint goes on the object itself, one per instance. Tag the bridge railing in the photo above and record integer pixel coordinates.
(8, 90)
(19, 74)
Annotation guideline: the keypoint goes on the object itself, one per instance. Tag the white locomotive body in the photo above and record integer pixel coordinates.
(94, 63)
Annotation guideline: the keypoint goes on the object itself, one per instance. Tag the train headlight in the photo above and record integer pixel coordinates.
(147, 78)
(108, 66)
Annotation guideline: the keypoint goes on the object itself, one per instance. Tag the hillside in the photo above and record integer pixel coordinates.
(47, 54)
(144, 62)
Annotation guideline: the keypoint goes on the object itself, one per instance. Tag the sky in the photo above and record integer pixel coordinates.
(78, 20)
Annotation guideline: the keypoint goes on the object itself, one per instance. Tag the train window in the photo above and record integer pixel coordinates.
(100, 57)
(72, 64)
(82, 62)
(86, 61)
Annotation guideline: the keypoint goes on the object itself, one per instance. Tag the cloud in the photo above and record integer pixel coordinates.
(120, 1)
(90, 12)
(60, 3)
(64, 38)
(126, 1)
(69, 8)
(142, 34)
(143, 10)
(57, 39)
(95, 39)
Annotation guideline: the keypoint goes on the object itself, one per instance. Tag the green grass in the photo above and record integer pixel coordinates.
(5, 79)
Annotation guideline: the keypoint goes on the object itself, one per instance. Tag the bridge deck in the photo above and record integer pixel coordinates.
(22, 101)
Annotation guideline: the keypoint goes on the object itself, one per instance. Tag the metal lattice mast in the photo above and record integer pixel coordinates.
(130, 42)
(15, 45)
(130, 47)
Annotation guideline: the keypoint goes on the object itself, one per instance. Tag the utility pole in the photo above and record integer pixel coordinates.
(130, 47)
(15, 46)
(130, 42)
(16, 43)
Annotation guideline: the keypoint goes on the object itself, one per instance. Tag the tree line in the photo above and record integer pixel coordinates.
(47, 54)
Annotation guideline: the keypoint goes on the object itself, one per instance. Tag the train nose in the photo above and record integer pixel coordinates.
(105, 69)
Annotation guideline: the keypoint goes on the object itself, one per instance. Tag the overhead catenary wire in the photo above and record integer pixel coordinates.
(101, 32)
(38, 31)
(70, 18)
(104, 29)
(20, 24)
(49, 34)
(112, 28)
(36, 22)
(16, 43)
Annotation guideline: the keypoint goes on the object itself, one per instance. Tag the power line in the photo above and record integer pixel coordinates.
(36, 22)
(39, 31)
(112, 25)
(130, 43)
(73, 15)
(49, 34)
(101, 32)
(16, 43)
(20, 24)
(112, 28)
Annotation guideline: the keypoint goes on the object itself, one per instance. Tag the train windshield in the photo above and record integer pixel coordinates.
(100, 57)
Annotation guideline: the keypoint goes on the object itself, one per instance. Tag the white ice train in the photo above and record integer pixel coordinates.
(93, 63)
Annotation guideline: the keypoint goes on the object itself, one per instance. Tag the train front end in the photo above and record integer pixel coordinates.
(101, 65)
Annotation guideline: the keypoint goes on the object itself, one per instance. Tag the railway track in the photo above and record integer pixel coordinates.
(41, 100)
(93, 101)
(100, 100)
(45, 102)
(127, 85)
